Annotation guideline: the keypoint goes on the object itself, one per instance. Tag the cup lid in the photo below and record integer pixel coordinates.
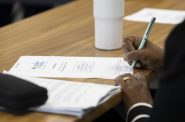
(108, 8)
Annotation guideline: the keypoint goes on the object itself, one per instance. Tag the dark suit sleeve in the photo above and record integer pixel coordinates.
(169, 103)
(139, 112)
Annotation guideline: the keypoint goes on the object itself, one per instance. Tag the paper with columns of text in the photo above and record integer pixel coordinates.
(71, 67)
(164, 16)
(70, 97)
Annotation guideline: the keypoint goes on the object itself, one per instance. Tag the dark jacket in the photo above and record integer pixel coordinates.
(169, 102)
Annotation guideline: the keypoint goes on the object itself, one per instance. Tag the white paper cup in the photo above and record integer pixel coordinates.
(108, 15)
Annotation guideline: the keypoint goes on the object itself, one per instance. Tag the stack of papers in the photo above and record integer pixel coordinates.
(71, 98)
(164, 16)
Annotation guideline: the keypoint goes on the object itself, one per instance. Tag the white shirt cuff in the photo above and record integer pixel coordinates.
(137, 105)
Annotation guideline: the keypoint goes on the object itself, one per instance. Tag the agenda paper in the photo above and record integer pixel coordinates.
(71, 67)
(70, 97)
(164, 16)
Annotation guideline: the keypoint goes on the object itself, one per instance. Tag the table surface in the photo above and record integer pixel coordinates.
(69, 31)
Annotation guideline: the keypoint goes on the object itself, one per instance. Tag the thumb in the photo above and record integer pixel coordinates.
(134, 55)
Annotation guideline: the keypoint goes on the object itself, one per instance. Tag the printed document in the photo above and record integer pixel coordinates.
(71, 67)
(164, 16)
(71, 98)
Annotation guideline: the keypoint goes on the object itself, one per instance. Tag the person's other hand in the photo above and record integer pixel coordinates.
(135, 89)
(150, 57)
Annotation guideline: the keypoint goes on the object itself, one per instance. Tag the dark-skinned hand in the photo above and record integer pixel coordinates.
(150, 57)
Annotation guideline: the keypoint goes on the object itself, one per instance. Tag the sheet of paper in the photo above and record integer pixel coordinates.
(69, 97)
(71, 67)
(164, 16)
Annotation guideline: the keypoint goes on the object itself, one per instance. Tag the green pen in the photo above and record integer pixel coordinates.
(145, 38)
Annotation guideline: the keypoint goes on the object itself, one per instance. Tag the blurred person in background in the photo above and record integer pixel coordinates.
(14, 10)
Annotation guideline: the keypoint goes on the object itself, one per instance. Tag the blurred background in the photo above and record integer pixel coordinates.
(15, 10)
